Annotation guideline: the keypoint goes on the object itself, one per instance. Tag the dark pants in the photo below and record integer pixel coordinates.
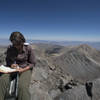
(23, 85)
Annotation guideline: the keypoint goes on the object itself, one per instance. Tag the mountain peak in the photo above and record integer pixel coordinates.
(86, 48)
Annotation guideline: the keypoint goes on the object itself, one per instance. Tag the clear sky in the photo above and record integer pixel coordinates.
(51, 19)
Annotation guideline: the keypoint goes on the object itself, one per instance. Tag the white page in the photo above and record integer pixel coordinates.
(6, 69)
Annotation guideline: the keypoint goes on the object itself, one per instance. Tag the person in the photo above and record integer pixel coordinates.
(21, 53)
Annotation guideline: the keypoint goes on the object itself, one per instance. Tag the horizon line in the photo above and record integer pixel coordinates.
(56, 40)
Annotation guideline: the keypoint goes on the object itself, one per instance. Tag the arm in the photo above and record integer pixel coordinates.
(23, 69)
(31, 60)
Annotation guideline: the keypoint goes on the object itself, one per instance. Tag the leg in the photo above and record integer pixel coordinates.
(4, 83)
(24, 81)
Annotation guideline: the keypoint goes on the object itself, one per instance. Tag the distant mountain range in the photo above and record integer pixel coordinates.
(96, 45)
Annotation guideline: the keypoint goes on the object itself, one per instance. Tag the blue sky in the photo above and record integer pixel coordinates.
(51, 19)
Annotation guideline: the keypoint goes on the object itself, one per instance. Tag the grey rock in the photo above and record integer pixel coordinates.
(64, 73)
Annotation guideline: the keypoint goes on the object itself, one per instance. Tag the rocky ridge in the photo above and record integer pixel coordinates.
(64, 73)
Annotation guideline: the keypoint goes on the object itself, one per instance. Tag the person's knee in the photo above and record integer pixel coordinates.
(23, 87)
(4, 80)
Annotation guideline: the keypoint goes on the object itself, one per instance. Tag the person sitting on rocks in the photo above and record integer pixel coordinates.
(21, 53)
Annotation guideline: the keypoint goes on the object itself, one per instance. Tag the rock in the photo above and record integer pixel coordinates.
(37, 93)
(77, 93)
(89, 91)
(96, 89)
(63, 73)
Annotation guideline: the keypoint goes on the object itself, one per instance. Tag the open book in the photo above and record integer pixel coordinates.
(5, 69)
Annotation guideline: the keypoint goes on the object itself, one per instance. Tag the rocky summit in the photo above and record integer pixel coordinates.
(64, 73)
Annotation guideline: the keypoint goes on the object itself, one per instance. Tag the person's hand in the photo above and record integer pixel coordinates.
(14, 66)
(20, 70)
